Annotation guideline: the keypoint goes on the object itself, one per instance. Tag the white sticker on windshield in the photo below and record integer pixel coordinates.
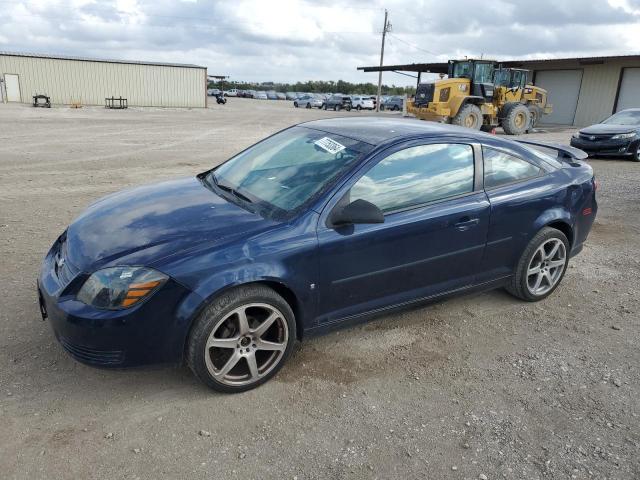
(329, 145)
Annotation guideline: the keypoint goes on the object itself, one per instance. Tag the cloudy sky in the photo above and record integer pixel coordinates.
(289, 40)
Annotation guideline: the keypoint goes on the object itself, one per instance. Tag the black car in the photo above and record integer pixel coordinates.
(617, 136)
(337, 102)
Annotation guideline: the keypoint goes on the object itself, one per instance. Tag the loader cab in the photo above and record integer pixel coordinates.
(480, 74)
(512, 78)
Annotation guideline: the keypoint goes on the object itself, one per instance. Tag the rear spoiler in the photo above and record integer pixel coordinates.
(564, 151)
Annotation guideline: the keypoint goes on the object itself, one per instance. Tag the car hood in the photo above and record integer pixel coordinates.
(144, 225)
(605, 128)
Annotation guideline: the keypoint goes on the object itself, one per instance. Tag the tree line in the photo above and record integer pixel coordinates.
(318, 86)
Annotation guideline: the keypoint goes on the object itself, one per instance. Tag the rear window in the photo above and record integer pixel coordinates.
(502, 168)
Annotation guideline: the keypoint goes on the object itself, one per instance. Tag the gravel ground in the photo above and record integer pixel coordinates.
(480, 386)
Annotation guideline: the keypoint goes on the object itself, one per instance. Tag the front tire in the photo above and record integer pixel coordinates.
(517, 120)
(541, 266)
(636, 156)
(295, 104)
(469, 116)
(242, 339)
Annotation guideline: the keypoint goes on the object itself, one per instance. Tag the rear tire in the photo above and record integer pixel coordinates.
(517, 120)
(535, 113)
(295, 104)
(232, 356)
(469, 116)
(358, 107)
(308, 105)
(636, 156)
(540, 260)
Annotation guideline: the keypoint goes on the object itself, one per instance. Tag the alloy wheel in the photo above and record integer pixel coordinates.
(546, 266)
(246, 344)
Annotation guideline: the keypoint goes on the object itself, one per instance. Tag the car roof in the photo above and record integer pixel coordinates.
(378, 130)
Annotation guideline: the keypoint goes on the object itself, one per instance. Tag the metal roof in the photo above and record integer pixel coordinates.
(98, 60)
(442, 67)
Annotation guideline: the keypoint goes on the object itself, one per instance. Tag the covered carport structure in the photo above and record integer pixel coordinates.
(582, 90)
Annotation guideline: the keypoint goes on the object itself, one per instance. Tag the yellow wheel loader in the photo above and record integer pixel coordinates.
(479, 94)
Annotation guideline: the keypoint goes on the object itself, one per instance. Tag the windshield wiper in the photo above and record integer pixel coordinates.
(227, 188)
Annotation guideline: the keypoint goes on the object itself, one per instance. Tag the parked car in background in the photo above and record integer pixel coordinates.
(231, 93)
(213, 92)
(221, 270)
(617, 136)
(260, 95)
(337, 102)
(391, 103)
(361, 103)
(308, 101)
(281, 96)
(291, 95)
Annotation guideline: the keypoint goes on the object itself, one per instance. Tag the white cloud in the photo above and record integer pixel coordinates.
(321, 39)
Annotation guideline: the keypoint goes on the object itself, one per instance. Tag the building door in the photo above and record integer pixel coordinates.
(629, 96)
(563, 87)
(12, 85)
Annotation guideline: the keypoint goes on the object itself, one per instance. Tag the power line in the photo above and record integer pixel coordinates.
(412, 45)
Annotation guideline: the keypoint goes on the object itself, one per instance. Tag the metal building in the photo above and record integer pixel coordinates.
(582, 91)
(89, 81)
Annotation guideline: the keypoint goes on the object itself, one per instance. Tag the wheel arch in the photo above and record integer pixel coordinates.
(277, 285)
(557, 218)
(565, 228)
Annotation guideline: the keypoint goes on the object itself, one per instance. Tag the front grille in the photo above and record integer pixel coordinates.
(65, 270)
(424, 94)
(91, 355)
(595, 137)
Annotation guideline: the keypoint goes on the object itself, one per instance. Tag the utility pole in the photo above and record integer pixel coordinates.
(385, 29)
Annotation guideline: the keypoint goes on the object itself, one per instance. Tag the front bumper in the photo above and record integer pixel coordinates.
(150, 332)
(613, 148)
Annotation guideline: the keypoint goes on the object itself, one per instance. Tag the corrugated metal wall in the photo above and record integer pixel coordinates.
(600, 83)
(89, 82)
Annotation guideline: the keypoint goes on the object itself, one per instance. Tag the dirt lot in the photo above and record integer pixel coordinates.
(477, 386)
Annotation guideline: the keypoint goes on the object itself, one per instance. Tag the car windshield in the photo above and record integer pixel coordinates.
(628, 117)
(289, 169)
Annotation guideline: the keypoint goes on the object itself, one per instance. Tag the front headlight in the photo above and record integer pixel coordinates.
(120, 287)
(622, 136)
(576, 135)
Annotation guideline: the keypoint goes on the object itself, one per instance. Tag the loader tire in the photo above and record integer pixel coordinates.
(469, 116)
(536, 113)
(517, 119)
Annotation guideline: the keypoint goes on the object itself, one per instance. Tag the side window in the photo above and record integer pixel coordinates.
(501, 168)
(417, 175)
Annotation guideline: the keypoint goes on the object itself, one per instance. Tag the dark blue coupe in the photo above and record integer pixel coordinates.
(322, 224)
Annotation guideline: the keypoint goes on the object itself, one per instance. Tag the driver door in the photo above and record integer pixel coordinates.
(432, 239)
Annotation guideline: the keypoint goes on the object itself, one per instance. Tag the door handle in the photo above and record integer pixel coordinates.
(466, 223)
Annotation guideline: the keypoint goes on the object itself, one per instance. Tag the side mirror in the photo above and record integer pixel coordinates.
(358, 211)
